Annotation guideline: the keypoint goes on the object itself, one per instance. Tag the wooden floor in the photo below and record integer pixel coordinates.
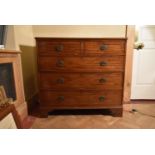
(144, 118)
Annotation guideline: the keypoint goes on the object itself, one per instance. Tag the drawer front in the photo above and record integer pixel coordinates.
(59, 48)
(81, 81)
(104, 47)
(83, 64)
(75, 99)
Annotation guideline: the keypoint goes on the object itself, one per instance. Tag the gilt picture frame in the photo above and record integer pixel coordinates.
(2, 93)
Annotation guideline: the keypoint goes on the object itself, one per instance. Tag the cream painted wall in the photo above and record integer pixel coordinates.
(25, 42)
(20, 37)
(113, 31)
(24, 35)
(10, 38)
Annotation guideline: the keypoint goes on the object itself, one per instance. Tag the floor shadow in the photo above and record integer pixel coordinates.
(81, 112)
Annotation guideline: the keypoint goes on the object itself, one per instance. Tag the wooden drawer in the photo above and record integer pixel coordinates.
(77, 99)
(104, 47)
(82, 64)
(59, 48)
(81, 81)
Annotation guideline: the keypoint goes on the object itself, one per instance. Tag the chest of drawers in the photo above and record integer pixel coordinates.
(81, 73)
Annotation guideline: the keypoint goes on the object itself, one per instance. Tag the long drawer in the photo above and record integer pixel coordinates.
(81, 81)
(104, 47)
(73, 99)
(59, 47)
(81, 64)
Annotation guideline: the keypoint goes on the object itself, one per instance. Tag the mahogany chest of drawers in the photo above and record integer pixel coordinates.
(81, 73)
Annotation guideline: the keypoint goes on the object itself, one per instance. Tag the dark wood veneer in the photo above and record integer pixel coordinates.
(81, 81)
(81, 64)
(81, 73)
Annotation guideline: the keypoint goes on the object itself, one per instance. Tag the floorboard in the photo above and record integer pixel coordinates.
(143, 118)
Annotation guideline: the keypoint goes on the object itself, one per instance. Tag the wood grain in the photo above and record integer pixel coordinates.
(14, 57)
(80, 98)
(11, 109)
(82, 64)
(99, 120)
(113, 47)
(81, 73)
(129, 61)
(81, 81)
(59, 48)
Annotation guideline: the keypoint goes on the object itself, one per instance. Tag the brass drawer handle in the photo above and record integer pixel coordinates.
(101, 98)
(102, 80)
(103, 47)
(61, 98)
(60, 80)
(60, 63)
(103, 63)
(59, 48)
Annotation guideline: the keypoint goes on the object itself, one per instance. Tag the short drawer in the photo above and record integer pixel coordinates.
(104, 47)
(81, 81)
(82, 64)
(59, 48)
(64, 98)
